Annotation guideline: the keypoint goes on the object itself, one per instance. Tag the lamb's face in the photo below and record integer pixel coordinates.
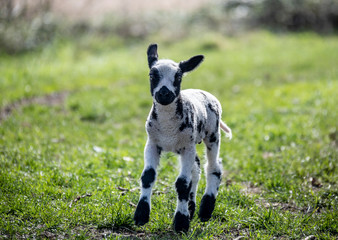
(165, 81)
(166, 75)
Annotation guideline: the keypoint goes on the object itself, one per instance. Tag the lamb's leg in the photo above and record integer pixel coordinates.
(184, 185)
(196, 171)
(152, 154)
(213, 174)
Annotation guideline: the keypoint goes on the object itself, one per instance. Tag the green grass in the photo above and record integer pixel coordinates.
(279, 96)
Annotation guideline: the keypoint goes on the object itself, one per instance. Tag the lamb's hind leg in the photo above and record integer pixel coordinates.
(151, 159)
(213, 174)
(196, 171)
(184, 185)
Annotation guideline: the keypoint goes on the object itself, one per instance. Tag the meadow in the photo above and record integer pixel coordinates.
(72, 137)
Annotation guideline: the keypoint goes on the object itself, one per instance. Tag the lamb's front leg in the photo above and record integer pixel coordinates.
(152, 154)
(183, 187)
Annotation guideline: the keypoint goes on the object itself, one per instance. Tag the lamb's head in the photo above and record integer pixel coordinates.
(166, 75)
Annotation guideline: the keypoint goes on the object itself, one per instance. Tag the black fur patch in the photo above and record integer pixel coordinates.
(207, 207)
(150, 124)
(159, 150)
(154, 79)
(179, 108)
(213, 109)
(217, 174)
(192, 119)
(191, 196)
(200, 126)
(186, 124)
(142, 212)
(191, 208)
(178, 151)
(190, 109)
(212, 138)
(212, 145)
(181, 222)
(148, 177)
(177, 82)
(197, 160)
(217, 124)
(183, 189)
(189, 119)
(154, 113)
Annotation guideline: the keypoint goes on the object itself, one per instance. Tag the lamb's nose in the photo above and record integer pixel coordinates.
(164, 91)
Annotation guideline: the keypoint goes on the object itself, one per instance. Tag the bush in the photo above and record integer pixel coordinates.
(297, 15)
(24, 27)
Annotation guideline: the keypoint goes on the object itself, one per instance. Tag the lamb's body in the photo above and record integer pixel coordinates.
(187, 121)
(177, 122)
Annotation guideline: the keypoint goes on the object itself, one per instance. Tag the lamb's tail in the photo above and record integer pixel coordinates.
(226, 129)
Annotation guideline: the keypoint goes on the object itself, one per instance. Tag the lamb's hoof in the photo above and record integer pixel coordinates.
(181, 222)
(142, 212)
(207, 207)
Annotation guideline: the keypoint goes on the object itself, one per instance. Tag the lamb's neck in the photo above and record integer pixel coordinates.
(167, 111)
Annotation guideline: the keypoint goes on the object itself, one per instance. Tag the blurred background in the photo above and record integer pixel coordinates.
(29, 24)
(74, 97)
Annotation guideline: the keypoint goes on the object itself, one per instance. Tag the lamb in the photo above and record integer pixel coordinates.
(178, 120)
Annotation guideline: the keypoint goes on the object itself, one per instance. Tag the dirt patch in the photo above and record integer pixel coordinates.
(53, 99)
(93, 232)
(278, 205)
(251, 190)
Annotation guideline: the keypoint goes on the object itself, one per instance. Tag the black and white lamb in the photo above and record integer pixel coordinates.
(177, 122)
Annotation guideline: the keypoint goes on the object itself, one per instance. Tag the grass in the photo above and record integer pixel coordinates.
(71, 169)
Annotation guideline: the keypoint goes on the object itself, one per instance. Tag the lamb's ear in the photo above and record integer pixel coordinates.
(191, 64)
(152, 54)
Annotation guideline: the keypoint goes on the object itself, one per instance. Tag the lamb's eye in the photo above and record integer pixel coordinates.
(178, 78)
(154, 76)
